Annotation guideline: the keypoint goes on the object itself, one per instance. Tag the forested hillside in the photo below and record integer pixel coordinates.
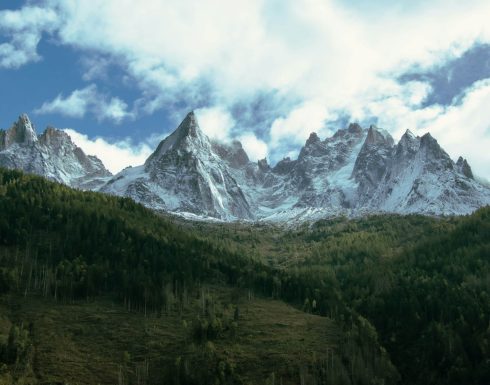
(93, 281)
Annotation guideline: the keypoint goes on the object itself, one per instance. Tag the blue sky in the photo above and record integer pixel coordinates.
(119, 75)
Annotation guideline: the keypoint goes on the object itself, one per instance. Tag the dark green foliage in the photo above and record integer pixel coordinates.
(81, 244)
(425, 285)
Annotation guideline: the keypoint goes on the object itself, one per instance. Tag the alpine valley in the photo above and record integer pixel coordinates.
(357, 171)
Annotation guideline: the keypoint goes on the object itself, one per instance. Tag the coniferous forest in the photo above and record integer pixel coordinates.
(96, 289)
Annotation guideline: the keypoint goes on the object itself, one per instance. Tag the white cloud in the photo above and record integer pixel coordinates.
(299, 123)
(95, 68)
(215, 122)
(79, 102)
(254, 147)
(116, 155)
(74, 105)
(314, 49)
(24, 28)
(15, 55)
(114, 109)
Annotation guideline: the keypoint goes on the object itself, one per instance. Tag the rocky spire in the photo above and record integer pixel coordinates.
(408, 144)
(433, 150)
(232, 153)
(464, 168)
(21, 132)
(263, 165)
(377, 136)
(313, 138)
(188, 137)
(51, 136)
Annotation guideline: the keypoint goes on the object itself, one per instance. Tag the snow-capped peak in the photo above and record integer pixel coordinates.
(187, 137)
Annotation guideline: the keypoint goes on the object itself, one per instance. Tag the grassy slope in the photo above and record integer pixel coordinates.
(84, 343)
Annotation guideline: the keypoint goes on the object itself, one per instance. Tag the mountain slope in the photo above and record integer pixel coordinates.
(51, 154)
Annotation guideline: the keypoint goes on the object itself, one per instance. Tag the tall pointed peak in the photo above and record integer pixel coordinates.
(25, 126)
(428, 140)
(408, 142)
(189, 126)
(21, 132)
(433, 151)
(409, 134)
(464, 168)
(187, 137)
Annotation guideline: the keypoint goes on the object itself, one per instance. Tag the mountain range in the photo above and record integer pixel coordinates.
(51, 154)
(355, 172)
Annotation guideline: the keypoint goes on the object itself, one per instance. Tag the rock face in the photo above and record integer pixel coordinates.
(356, 171)
(51, 154)
(420, 177)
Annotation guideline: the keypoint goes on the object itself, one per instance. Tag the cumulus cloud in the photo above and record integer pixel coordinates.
(299, 123)
(254, 147)
(24, 29)
(114, 109)
(79, 102)
(74, 105)
(215, 122)
(115, 155)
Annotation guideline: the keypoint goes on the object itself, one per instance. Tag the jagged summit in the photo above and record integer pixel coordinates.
(233, 153)
(188, 137)
(263, 165)
(51, 154)
(52, 137)
(313, 138)
(377, 136)
(410, 133)
(464, 168)
(22, 132)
